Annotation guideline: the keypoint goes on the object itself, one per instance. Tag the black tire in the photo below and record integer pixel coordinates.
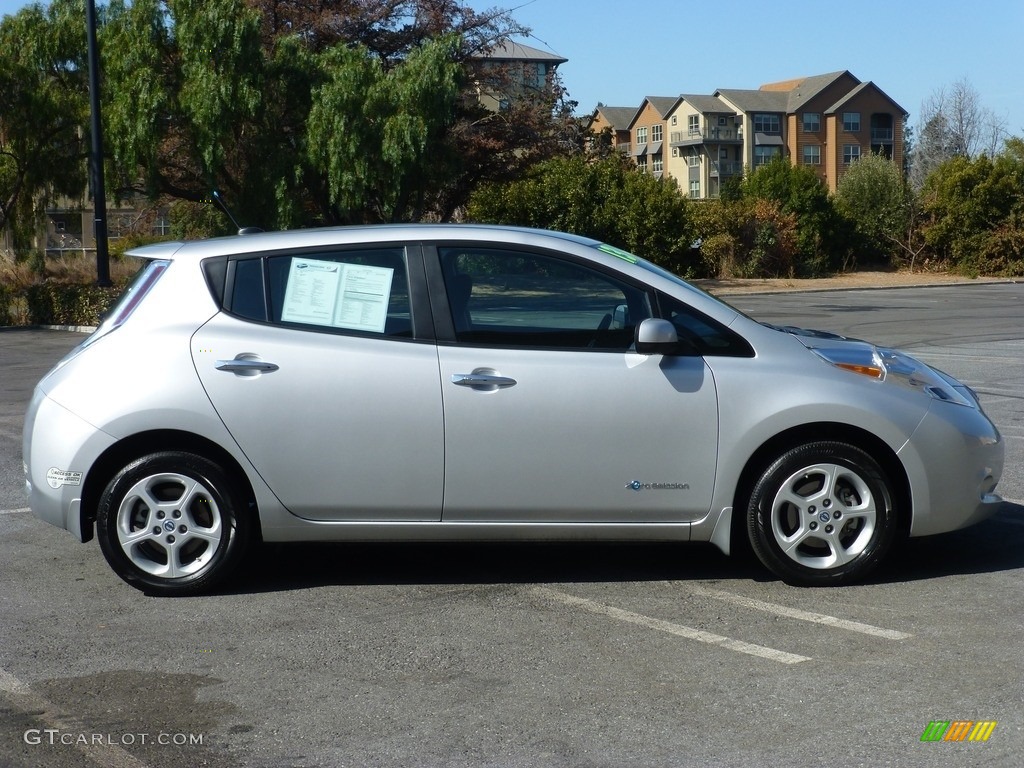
(172, 524)
(822, 514)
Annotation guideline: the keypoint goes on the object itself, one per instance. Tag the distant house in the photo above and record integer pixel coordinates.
(648, 131)
(825, 122)
(509, 71)
(615, 120)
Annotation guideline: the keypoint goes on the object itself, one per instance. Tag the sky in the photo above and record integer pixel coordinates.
(620, 52)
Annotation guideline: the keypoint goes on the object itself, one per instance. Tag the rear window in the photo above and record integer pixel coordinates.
(132, 297)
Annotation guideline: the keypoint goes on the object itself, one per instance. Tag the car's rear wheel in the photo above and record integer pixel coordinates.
(822, 514)
(172, 523)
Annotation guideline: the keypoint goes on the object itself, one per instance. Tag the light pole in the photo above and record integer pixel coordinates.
(99, 194)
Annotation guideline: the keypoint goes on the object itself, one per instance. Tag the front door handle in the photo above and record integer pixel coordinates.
(485, 381)
(245, 366)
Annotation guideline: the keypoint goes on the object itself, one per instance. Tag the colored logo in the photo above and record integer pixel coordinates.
(958, 730)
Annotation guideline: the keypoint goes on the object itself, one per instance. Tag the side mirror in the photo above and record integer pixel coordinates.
(656, 337)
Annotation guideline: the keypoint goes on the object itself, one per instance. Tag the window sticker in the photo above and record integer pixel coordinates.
(611, 250)
(353, 296)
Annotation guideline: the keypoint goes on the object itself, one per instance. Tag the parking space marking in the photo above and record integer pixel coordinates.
(679, 630)
(18, 511)
(102, 753)
(795, 613)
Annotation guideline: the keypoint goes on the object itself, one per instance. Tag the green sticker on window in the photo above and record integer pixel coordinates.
(611, 250)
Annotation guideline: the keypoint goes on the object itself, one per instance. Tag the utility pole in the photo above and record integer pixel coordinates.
(99, 194)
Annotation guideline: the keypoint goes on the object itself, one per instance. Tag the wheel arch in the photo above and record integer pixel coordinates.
(777, 445)
(136, 446)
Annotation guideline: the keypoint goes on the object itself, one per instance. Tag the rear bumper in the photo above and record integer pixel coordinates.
(58, 449)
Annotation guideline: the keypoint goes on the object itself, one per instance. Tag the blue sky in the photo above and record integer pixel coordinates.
(620, 52)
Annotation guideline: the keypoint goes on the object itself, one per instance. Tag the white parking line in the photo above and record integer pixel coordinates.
(795, 613)
(14, 511)
(99, 751)
(666, 626)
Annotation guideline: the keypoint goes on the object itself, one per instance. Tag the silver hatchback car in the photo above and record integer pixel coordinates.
(457, 382)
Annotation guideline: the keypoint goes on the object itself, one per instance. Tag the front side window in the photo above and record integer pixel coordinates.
(708, 336)
(362, 291)
(502, 297)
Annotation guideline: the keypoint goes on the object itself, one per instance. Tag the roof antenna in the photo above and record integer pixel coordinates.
(224, 207)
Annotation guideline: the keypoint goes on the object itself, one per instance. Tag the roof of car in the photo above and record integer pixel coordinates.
(325, 236)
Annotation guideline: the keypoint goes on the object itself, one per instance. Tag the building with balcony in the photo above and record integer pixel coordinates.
(825, 122)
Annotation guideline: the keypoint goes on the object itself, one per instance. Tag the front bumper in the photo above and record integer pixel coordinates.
(954, 461)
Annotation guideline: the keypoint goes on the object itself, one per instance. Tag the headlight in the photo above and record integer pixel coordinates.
(895, 367)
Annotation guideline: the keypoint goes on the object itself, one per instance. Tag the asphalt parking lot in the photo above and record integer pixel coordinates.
(534, 655)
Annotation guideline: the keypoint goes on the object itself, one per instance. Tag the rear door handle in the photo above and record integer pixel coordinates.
(485, 381)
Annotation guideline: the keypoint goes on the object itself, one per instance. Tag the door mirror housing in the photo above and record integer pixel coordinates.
(655, 336)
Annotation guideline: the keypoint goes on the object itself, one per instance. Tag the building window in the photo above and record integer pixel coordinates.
(694, 189)
(655, 133)
(764, 155)
(693, 160)
(812, 122)
(656, 163)
(641, 162)
(675, 151)
(641, 135)
(812, 155)
(693, 122)
(851, 122)
(851, 152)
(162, 225)
(675, 119)
(765, 122)
(721, 121)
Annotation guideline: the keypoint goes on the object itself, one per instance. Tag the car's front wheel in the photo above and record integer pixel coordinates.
(822, 514)
(172, 523)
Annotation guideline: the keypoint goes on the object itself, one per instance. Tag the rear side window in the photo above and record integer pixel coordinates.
(365, 291)
(132, 297)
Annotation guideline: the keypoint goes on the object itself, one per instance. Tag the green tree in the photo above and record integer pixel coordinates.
(604, 199)
(821, 246)
(974, 211)
(874, 195)
(43, 107)
(375, 133)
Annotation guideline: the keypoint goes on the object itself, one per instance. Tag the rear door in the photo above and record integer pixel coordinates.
(317, 371)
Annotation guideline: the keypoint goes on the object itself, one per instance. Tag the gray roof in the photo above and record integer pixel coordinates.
(756, 101)
(663, 104)
(860, 88)
(706, 104)
(507, 50)
(810, 87)
(618, 117)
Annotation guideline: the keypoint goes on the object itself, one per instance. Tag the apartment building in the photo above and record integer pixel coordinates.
(616, 121)
(825, 122)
